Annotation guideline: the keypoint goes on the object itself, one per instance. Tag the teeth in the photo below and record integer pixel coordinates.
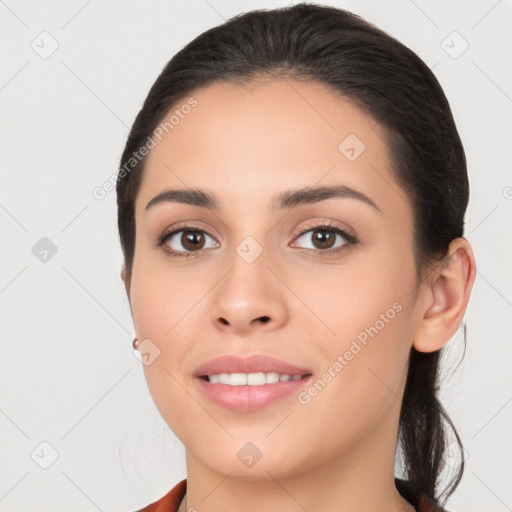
(250, 379)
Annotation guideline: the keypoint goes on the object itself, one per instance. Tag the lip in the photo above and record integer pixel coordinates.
(249, 364)
(249, 398)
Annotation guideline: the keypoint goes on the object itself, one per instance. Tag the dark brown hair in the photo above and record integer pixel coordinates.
(387, 81)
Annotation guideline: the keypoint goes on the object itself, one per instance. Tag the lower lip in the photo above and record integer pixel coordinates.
(250, 398)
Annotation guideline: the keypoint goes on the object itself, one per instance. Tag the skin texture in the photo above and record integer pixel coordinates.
(246, 144)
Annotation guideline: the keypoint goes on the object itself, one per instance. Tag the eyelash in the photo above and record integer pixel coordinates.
(350, 240)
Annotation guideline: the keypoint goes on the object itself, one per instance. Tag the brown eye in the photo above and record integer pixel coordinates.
(322, 239)
(186, 241)
(192, 240)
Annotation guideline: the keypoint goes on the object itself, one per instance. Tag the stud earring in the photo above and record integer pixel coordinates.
(135, 344)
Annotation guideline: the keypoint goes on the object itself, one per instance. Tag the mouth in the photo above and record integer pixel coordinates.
(247, 384)
(252, 367)
(251, 379)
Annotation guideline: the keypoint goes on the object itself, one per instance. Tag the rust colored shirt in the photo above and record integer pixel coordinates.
(422, 503)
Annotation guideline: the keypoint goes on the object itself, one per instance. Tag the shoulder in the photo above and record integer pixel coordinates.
(170, 501)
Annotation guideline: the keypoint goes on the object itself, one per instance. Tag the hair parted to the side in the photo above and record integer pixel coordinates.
(387, 81)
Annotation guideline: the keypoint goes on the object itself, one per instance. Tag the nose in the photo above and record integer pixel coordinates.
(249, 298)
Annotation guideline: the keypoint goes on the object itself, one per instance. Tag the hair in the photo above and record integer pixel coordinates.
(385, 80)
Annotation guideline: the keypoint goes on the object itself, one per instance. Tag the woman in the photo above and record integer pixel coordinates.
(291, 206)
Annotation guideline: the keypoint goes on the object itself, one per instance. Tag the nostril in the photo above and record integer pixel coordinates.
(265, 319)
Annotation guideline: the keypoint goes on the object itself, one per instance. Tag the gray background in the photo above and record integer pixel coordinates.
(69, 379)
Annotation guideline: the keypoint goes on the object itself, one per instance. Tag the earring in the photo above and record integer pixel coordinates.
(135, 344)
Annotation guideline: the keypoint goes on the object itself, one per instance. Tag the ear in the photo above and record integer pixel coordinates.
(126, 281)
(445, 297)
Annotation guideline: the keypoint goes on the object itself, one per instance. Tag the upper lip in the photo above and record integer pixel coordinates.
(248, 364)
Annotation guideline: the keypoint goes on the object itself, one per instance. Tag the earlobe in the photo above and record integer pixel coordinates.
(446, 297)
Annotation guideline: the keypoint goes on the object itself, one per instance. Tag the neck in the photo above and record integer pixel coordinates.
(358, 481)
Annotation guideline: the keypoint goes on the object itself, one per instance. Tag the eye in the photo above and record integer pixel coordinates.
(322, 238)
(191, 240)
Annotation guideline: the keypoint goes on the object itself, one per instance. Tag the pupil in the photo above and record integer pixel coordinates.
(323, 237)
(191, 239)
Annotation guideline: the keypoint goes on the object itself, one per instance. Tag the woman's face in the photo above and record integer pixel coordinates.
(256, 281)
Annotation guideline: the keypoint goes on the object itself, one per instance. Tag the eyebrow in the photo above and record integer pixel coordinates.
(287, 199)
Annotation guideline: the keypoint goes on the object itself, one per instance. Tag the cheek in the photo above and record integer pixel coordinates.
(361, 297)
(159, 298)
(362, 380)
(365, 352)
(165, 308)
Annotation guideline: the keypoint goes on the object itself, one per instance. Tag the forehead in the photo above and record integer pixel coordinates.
(254, 141)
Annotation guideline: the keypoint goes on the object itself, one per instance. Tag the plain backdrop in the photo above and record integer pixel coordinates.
(79, 429)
